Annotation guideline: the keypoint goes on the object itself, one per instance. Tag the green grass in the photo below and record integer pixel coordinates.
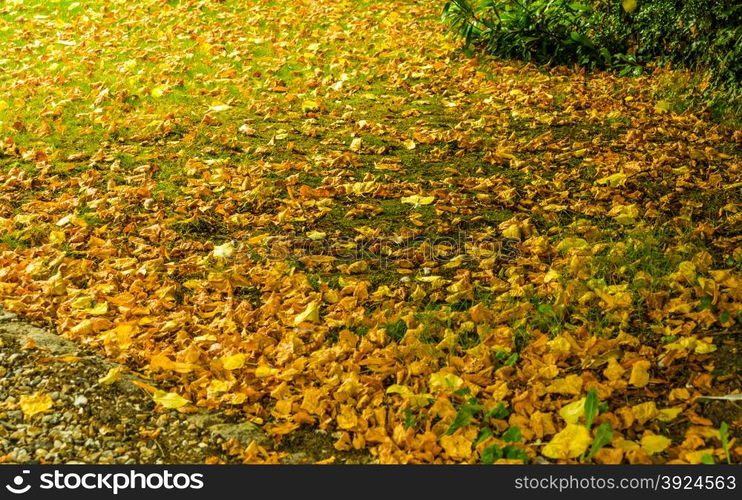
(13, 242)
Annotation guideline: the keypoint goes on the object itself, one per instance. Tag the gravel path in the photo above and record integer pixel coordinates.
(90, 422)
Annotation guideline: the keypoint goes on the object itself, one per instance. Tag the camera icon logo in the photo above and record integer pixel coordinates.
(17, 487)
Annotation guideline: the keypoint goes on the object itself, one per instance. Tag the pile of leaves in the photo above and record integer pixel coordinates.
(321, 215)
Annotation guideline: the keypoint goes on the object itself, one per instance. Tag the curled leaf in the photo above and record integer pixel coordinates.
(310, 314)
(572, 412)
(113, 375)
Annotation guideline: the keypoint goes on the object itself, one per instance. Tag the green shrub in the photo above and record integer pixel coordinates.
(547, 31)
(622, 35)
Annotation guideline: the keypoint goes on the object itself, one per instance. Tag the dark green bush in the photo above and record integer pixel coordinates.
(553, 31)
(623, 35)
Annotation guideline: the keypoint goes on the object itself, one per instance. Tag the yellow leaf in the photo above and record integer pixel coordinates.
(417, 200)
(457, 447)
(416, 400)
(158, 91)
(409, 144)
(113, 375)
(572, 412)
(121, 335)
(347, 418)
(455, 262)
(236, 398)
(614, 180)
(217, 386)
(223, 251)
(162, 362)
(98, 310)
(570, 442)
(568, 244)
(233, 362)
(445, 381)
(257, 239)
(360, 266)
(572, 384)
(640, 373)
(614, 370)
(688, 270)
(625, 444)
(398, 389)
(560, 345)
(644, 412)
(696, 457)
(551, 276)
(512, 232)
(662, 106)
(331, 296)
(85, 327)
(629, 5)
(193, 284)
(83, 302)
(311, 313)
(169, 400)
(680, 393)
(704, 347)
(56, 237)
(653, 443)
(265, 371)
(35, 403)
(57, 285)
(361, 188)
(218, 107)
(316, 235)
(205, 338)
(625, 214)
(435, 281)
(309, 105)
(692, 343)
(418, 293)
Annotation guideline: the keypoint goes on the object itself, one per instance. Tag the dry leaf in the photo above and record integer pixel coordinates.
(35, 403)
(113, 375)
(570, 442)
(169, 400)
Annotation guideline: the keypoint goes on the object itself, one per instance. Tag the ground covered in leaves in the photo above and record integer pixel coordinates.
(103, 414)
(320, 215)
